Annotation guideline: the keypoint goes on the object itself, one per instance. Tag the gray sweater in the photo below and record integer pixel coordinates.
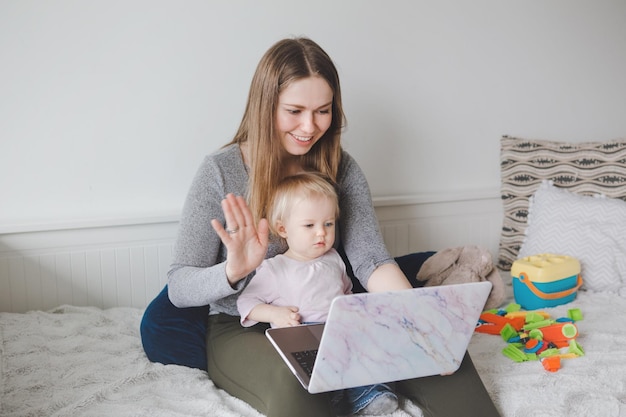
(197, 275)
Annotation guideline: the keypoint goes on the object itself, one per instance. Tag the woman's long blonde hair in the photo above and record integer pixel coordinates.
(286, 61)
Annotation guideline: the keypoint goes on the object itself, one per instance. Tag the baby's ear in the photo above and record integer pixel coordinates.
(280, 229)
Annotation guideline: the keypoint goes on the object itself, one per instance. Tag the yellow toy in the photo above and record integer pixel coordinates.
(545, 280)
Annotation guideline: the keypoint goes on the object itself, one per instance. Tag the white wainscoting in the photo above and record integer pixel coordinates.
(124, 263)
(102, 266)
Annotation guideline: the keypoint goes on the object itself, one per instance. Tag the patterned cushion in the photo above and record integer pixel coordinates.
(590, 229)
(585, 168)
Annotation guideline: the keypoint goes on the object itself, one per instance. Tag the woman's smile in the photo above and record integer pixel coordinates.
(301, 138)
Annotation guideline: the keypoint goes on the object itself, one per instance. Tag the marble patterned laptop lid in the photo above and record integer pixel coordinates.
(373, 338)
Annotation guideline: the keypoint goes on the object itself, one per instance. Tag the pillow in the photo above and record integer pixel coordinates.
(584, 168)
(591, 229)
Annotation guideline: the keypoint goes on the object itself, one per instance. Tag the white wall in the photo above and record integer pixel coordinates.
(107, 106)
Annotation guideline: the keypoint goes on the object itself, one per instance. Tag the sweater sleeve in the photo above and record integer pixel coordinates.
(358, 225)
(197, 275)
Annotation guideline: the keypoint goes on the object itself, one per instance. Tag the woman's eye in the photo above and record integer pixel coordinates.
(293, 111)
(325, 111)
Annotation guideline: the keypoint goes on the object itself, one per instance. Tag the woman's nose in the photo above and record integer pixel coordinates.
(307, 123)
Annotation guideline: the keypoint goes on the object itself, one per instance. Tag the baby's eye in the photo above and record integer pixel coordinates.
(308, 226)
(329, 224)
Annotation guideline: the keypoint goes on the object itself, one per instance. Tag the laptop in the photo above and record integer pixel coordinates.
(372, 338)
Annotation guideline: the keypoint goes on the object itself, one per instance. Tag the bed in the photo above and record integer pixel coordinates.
(88, 361)
(85, 361)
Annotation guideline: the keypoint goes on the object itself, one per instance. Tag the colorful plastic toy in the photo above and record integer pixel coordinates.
(545, 280)
(559, 333)
(534, 335)
(551, 363)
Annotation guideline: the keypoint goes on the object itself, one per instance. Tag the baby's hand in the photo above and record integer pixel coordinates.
(286, 316)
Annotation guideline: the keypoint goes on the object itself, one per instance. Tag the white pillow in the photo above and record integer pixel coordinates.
(591, 229)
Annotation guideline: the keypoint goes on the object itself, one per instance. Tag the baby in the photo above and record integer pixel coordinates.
(298, 286)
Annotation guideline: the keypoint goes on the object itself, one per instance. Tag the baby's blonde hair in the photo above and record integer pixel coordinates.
(295, 188)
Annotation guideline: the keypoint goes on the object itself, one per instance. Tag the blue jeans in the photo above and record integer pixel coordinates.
(172, 335)
(352, 400)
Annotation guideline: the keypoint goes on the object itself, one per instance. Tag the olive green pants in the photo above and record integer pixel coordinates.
(244, 363)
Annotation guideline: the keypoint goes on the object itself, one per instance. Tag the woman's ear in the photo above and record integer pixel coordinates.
(280, 229)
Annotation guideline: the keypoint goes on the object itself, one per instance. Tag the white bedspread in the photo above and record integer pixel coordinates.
(593, 385)
(78, 361)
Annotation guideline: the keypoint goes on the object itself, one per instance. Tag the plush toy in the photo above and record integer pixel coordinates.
(460, 265)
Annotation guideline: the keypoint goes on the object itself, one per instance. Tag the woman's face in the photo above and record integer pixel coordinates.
(304, 114)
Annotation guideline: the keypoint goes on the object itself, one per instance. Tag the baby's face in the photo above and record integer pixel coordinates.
(310, 228)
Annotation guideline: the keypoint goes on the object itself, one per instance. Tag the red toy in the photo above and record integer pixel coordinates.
(559, 333)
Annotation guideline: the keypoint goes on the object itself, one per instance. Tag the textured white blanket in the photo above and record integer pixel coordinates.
(78, 361)
(593, 385)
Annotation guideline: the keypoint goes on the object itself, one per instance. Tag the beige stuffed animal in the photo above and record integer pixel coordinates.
(460, 265)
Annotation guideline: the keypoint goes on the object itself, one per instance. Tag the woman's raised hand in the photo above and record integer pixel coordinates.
(246, 243)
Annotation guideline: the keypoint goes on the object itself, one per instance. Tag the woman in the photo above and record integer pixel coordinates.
(292, 122)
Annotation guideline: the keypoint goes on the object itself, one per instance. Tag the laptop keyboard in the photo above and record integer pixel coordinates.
(306, 359)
